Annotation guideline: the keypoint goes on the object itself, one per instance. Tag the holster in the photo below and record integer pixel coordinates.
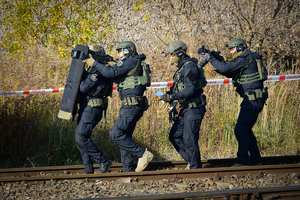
(97, 102)
(194, 101)
(133, 101)
(257, 94)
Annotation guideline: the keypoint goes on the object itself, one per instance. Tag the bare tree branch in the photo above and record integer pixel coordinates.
(279, 4)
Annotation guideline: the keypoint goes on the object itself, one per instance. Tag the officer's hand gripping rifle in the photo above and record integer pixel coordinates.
(215, 54)
(202, 50)
(103, 59)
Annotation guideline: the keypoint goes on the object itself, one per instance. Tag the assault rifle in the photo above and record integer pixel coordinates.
(172, 108)
(100, 58)
(172, 111)
(215, 54)
(103, 59)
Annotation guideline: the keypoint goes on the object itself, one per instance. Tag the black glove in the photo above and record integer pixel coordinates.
(205, 56)
(167, 97)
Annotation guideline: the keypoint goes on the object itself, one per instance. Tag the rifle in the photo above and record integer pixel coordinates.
(103, 59)
(215, 54)
(172, 107)
(98, 56)
(172, 111)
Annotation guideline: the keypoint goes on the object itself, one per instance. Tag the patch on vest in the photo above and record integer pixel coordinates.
(94, 77)
(120, 63)
(191, 76)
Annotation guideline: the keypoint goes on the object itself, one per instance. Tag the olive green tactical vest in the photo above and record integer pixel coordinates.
(180, 86)
(260, 75)
(132, 81)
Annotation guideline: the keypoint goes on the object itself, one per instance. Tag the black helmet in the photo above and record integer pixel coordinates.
(97, 49)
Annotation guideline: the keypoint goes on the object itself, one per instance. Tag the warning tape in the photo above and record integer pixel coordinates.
(159, 84)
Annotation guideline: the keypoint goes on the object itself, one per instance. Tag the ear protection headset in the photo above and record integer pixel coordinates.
(240, 48)
(179, 53)
(125, 51)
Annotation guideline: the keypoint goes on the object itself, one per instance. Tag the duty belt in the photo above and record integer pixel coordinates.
(132, 101)
(194, 101)
(97, 102)
(257, 94)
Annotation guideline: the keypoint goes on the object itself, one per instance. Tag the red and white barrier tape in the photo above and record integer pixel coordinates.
(159, 84)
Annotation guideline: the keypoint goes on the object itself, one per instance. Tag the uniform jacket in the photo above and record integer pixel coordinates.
(189, 76)
(88, 87)
(233, 68)
(120, 70)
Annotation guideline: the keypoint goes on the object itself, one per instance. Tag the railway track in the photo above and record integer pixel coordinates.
(155, 170)
(278, 178)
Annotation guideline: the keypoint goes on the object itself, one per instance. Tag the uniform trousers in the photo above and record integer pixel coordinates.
(184, 134)
(247, 143)
(121, 134)
(88, 118)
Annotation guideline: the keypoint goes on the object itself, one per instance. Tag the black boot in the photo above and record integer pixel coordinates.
(104, 167)
(87, 172)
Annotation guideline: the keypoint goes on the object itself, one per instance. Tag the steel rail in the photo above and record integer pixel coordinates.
(166, 174)
(159, 165)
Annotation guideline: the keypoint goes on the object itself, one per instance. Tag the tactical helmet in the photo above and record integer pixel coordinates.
(237, 42)
(176, 45)
(126, 45)
(97, 49)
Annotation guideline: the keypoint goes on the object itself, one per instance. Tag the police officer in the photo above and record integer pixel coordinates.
(128, 75)
(93, 93)
(248, 73)
(187, 88)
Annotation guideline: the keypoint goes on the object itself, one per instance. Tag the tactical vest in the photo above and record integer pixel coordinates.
(179, 86)
(132, 81)
(260, 75)
(102, 90)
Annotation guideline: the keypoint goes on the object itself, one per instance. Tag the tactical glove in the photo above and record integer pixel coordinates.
(90, 61)
(166, 98)
(88, 68)
(205, 56)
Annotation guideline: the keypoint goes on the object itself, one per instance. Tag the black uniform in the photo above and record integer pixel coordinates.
(122, 130)
(249, 109)
(88, 118)
(184, 134)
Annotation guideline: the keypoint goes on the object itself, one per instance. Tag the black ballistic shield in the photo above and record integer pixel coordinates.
(68, 106)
